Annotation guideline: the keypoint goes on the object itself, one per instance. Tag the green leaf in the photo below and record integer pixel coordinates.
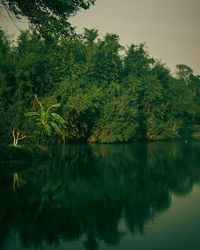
(32, 114)
(47, 129)
(57, 105)
(39, 103)
(56, 128)
(58, 117)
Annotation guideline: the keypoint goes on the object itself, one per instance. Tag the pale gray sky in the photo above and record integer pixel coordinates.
(170, 28)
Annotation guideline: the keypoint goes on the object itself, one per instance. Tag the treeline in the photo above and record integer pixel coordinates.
(107, 93)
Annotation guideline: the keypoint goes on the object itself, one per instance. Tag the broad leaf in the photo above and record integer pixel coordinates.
(56, 128)
(39, 103)
(32, 114)
(58, 117)
(57, 105)
(47, 129)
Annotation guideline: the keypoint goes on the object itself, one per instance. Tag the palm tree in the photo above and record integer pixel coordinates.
(47, 120)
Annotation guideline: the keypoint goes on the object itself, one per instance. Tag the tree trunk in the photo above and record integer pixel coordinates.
(16, 137)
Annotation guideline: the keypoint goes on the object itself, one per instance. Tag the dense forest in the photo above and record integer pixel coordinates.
(86, 88)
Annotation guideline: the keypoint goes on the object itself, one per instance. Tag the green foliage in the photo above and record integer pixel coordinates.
(46, 120)
(137, 62)
(50, 18)
(107, 61)
(184, 72)
(106, 96)
(36, 67)
(117, 121)
(80, 107)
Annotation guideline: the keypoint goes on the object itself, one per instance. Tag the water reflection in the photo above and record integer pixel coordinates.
(86, 190)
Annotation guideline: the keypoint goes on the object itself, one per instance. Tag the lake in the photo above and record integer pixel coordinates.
(90, 196)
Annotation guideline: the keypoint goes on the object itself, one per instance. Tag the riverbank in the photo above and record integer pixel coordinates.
(190, 132)
(23, 153)
(27, 153)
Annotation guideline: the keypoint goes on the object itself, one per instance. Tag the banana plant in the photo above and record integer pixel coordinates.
(46, 120)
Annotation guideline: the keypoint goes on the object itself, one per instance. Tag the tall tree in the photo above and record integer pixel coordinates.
(184, 72)
(108, 63)
(90, 36)
(137, 62)
(47, 16)
(36, 71)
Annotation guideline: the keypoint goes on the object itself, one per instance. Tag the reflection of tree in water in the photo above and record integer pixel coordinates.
(86, 189)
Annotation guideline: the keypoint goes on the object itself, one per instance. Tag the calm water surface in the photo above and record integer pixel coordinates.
(131, 196)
